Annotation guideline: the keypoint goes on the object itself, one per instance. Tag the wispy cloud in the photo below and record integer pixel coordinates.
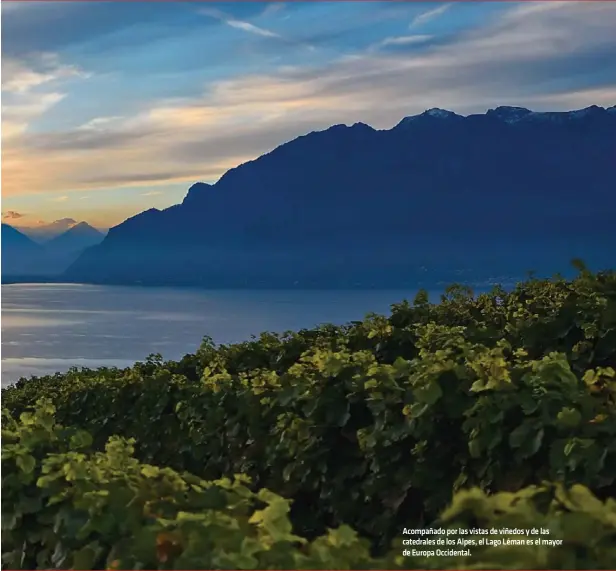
(238, 24)
(12, 215)
(18, 77)
(425, 17)
(59, 198)
(152, 193)
(405, 40)
(31, 88)
(99, 123)
(248, 27)
(530, 55)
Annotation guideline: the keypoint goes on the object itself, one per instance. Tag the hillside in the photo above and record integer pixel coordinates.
(438, 193)
(480, 412)
(25, 258)
(76, 239)
(20, 254)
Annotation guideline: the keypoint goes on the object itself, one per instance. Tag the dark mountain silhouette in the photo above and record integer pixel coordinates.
(64, 249)
(439, 196)
(75, 240)
(24, 257)
(20, 255)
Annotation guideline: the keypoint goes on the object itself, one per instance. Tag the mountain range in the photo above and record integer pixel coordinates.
(23, 255)
(438, 197)
(44, 232)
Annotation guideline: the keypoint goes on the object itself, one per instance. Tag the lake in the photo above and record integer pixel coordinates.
(51, 327)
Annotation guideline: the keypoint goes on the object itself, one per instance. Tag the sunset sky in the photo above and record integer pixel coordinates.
(111, 108)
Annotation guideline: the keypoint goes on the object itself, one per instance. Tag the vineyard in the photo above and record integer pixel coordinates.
(315, 449)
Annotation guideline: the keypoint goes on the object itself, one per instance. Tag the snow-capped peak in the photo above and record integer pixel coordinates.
(439, 113)
(520, 114)
(510, 114)
(434, 113)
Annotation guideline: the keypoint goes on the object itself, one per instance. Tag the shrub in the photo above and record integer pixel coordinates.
(67, 507)
(378, 422)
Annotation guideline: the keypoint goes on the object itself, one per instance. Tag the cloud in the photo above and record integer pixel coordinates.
(425, 17)
(12, 215)
(541, 55)
(405, 40)
(31, 88)
(152, 193)
(59, 199)
(99, 123)
(248, 27)
(18, 77)
(134, 178)
(237, 24)
(18, 115)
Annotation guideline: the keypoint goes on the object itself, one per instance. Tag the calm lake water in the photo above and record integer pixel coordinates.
(51, 327)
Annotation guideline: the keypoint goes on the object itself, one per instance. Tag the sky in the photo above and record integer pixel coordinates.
(111, 108)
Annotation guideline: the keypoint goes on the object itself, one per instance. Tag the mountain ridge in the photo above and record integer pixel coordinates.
(293, 213)
(26, 256)
(76, 236)
(70, 244)
(43, 233)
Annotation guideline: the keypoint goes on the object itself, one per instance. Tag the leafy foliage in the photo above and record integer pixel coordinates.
(67, 507)
(378, 424)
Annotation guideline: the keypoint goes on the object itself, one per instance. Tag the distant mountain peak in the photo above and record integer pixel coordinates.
(84, 228)
(75, 236)
(434, 113)
(44, 232)
(66, 247)
(440, 113)
(518, 114)
(361, 125)
(509, 114)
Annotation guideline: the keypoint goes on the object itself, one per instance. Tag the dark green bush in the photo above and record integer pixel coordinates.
(378, 423)
(67, 507)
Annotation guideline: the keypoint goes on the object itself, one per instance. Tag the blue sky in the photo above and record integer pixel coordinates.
(112, 108)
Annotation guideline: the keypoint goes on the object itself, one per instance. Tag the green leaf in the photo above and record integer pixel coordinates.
(474, 448)
(342, 537)
(569, 417)
(150, 471)
(81, 439)
(85, 558)
(430, 393)
(26, 463)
